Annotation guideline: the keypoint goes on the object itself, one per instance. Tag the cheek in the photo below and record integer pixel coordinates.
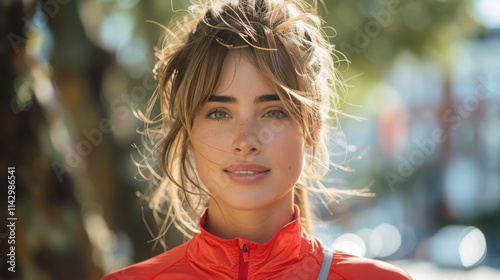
(212, 178)
(206, 140)
(209, 171)
(208, 145)
(289, 150)
(205, 136)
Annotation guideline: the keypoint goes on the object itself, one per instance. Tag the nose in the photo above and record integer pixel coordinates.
(246, 138)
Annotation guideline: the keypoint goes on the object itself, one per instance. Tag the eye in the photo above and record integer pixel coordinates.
(217, 114)
(276, 113)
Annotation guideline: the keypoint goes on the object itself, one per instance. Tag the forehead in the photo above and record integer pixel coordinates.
(241, 75)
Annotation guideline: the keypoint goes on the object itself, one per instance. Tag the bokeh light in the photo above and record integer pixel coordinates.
(457, 246)
(389, 237)
(351, 244)
(487, 11)
(116, 30)
(472, 247)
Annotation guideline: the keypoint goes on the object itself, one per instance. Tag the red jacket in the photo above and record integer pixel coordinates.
(291, 254)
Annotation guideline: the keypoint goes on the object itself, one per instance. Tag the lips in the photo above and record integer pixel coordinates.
(246, 168)
(247, 173)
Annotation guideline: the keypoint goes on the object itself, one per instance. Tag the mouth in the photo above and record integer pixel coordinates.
(246, 168)
(246, 171)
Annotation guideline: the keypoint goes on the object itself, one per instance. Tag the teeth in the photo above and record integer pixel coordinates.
(245, 172)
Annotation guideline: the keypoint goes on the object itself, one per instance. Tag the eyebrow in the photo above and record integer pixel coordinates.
(232, 99)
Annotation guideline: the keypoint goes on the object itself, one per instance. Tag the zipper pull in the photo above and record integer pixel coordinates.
(245, 252)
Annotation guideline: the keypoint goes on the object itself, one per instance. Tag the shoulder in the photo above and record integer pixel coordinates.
(352, 267)
(150, 268)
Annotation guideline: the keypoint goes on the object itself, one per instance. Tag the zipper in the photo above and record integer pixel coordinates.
(243, 272)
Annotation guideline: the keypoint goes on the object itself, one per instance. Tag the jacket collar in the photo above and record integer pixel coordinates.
(289, 245)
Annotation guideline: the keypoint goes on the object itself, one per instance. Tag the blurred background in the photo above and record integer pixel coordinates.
(425, 76)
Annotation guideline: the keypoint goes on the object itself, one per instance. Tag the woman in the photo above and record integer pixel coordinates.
(245, 90)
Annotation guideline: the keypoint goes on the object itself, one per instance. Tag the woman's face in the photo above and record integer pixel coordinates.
(249, 152)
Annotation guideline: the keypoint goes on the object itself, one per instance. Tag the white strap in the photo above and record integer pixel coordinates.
(325, 266)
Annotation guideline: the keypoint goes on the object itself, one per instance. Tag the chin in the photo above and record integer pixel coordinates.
(250, 200)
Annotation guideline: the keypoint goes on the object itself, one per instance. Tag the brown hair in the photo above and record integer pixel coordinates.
(285, 40)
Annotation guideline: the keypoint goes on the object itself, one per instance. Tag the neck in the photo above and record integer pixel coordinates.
(258, 225)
